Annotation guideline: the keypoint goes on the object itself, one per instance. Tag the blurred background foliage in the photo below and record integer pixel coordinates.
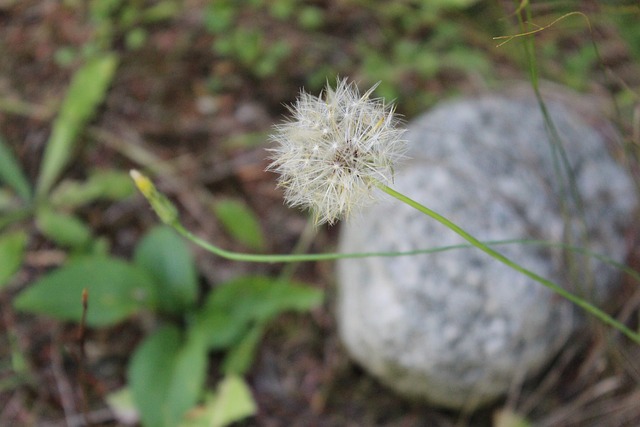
(187, 91)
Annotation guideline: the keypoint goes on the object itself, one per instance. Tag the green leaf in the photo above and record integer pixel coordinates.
(116, 291)
(240, 358)
(166, 376)
(106, 185)
(232, 402)
(189, 374)
(221, 329)
(150, 373)
(167, 258)
(86, 92)
(235, 313)
(261, 297)
(240, 222)
(10, 172)
(65, 230)
(12, 247)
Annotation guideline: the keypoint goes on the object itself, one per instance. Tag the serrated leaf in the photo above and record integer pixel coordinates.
(86, 92)
(261, 297)
(240, 222)
(232, 402)
(10, 172)
(105, 185)
(166, 376)
(64, 229)
(12, 248)
(116, 290)
(167, 258)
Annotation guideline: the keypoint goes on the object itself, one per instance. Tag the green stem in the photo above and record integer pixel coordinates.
(601, 315)
(273, 258)
(332, 256)
(169, 215)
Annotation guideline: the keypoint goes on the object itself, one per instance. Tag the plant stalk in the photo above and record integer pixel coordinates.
(591, 309)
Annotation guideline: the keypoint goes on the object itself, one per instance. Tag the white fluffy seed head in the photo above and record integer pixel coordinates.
(333, 149)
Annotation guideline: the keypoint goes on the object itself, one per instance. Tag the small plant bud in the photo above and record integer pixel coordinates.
(162, 206)
(334, 150)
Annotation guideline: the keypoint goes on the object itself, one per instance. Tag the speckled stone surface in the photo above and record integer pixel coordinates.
(457, 328)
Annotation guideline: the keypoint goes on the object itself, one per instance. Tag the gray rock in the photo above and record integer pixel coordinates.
(457, 328)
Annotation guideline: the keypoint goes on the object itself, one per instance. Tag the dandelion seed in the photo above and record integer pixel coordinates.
(333, 149)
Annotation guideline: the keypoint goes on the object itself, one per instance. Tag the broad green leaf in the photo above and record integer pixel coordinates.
(10, 172)
(235, 313)
(150, 372)
(116, 290)
(107, 185)
(232, 402)
(240, 358)
(65, 230)
(189, 374)
(86, 92)
(167, 258)
(12, 247)
(166, 376)
(220, 328)
(240, 222)
(261, 297)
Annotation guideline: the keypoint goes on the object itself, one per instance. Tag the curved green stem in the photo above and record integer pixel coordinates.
(327, 256)
(332, 256)
(169, 215)
(601, 315)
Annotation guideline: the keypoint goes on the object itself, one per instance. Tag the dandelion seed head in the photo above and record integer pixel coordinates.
(333, 148)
